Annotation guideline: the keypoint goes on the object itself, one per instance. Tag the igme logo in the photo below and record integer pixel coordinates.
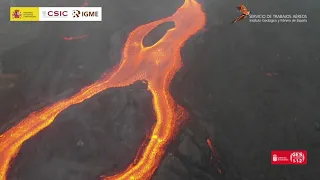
(78, 13)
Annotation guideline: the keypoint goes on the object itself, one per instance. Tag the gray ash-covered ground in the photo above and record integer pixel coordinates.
(223, 85)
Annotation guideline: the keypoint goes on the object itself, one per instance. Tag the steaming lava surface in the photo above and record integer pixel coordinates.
(223, 85)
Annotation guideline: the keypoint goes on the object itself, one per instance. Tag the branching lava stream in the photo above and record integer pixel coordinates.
(156, 64)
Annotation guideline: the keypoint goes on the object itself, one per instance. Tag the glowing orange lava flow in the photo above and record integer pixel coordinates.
(156, 64)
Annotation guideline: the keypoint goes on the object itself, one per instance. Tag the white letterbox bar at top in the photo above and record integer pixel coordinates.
(70, 14)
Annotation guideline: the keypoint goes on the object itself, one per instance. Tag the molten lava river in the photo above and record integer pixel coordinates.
(156, 64)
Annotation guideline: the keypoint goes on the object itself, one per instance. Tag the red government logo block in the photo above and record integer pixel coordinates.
(287, 157)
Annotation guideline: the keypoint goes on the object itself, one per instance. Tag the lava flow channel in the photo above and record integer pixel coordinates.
(156, 64)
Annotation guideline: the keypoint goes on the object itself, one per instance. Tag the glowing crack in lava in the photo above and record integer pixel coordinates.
(156, 64)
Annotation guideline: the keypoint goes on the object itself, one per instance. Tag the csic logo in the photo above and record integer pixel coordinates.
(55, 13)
(16, 14)
(77, 14)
